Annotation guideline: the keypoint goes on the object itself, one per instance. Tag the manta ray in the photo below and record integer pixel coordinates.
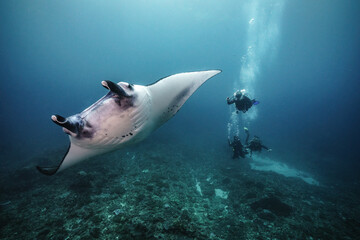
(126, 115)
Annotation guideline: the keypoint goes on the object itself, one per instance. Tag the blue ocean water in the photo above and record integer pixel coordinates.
(55, 54)
(300, 59)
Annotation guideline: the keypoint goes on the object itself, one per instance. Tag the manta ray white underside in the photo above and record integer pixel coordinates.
(124, 116)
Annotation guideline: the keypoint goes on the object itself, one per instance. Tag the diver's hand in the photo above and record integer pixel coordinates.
(246, 129)
(228, 100)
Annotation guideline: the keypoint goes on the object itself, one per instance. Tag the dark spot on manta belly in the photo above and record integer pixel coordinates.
(127, 135)
(87, 134)
(172, 108)
(178, 99)
(124, 102)
(181, 95)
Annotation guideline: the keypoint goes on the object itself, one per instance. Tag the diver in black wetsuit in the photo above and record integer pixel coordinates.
(238, 149)
(242, 101)
(255, 143)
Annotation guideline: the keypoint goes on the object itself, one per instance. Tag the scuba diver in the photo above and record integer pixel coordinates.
(242, 101)
(255, 143)
(238, 149)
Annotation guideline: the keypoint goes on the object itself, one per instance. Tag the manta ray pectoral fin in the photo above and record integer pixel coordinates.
(73, 155)
(47, 170)
(52, 170)
(115, 88)
(170, 93)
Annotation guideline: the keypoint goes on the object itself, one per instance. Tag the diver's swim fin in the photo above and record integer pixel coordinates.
(255, 102)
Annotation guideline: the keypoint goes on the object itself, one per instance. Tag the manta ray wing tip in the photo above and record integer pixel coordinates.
(49, 171)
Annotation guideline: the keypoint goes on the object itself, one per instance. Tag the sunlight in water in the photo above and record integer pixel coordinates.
(261, 42)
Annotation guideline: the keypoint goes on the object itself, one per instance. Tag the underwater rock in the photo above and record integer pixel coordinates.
(267, 215)
(250, 195)
(5, 203)
(5, 219)
(207, 190)
(81, 186)
(118, 211)
(150, 188)
(22, 180)
(220, 193)
(119, 219)
(43, 234)
(82, 173)
(252, 184)
(120, 190)
(96, 219)
(164, 204)
(226, 181)
(95, 232)
(139, 197)
(274, 205)
(185, 216)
